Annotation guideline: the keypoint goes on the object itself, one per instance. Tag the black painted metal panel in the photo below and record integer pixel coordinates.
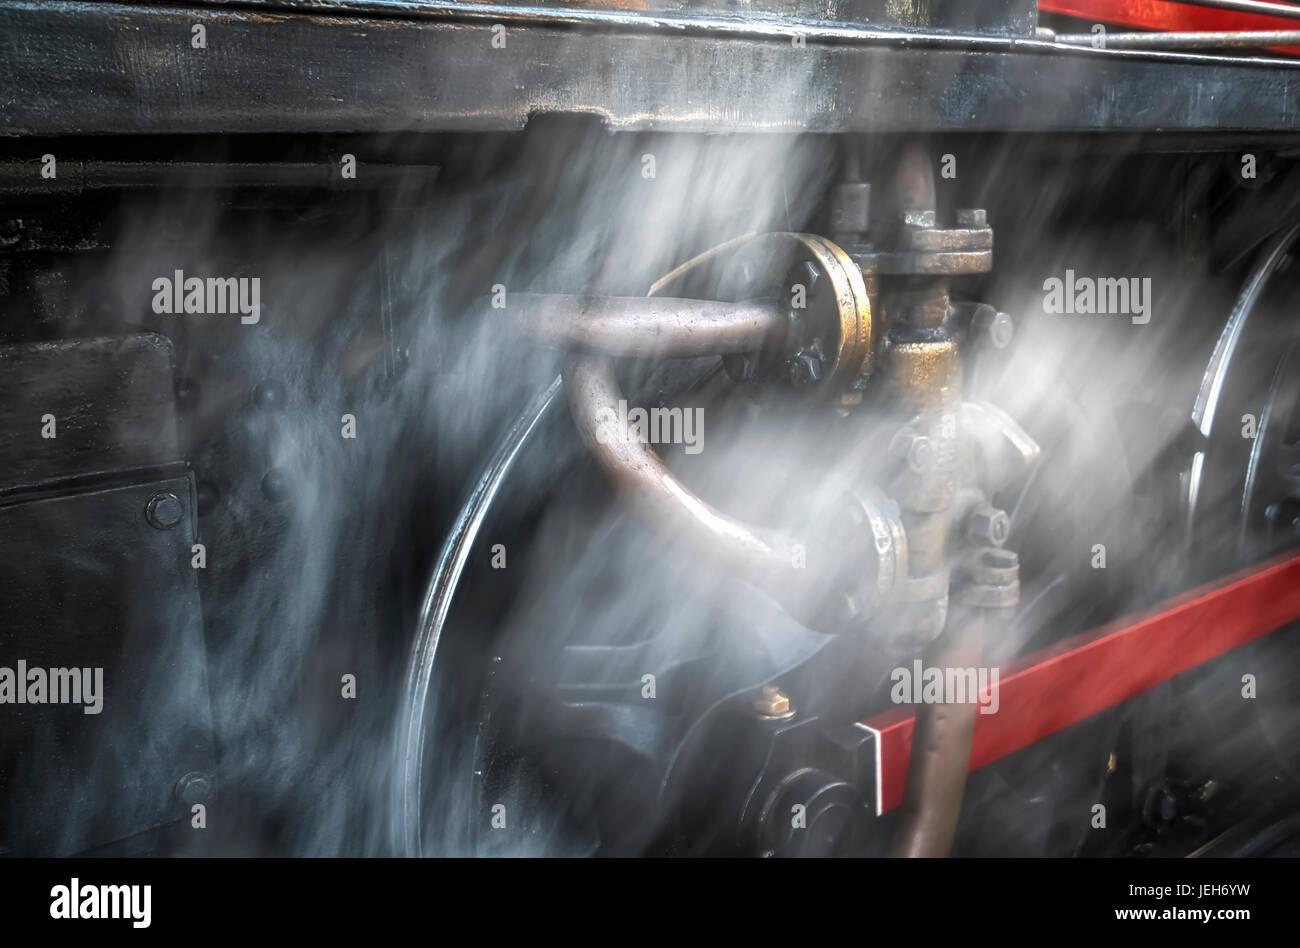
(100, 68)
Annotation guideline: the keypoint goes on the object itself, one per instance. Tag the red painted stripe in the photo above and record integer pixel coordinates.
(1169, 17)
(1054, 688)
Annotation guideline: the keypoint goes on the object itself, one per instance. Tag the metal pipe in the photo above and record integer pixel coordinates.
(924, 370)
(643, 326)
(1229, 39)
(941, 743)
(639, 473)
(912, 185)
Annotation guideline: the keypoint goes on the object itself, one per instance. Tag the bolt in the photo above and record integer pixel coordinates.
(805, 368)
(194, 787)
(917, 218)
(996, 327)
(773, 704)
(164, 510)
(988, 525)
(972, 217)
(917, 449)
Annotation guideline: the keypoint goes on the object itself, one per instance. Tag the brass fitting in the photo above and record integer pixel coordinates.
(773, 704)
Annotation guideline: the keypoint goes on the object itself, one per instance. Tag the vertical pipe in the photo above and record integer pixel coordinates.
(936, 773)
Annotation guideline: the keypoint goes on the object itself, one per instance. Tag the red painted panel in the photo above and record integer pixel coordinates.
(1060, 686)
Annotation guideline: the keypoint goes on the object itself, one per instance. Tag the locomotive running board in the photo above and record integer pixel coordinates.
(1061, 685)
